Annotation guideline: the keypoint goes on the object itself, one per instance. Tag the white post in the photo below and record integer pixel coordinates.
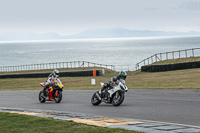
(93, 81)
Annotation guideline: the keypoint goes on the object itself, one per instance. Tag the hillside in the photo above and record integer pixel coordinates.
(92, 33)
(175, 61)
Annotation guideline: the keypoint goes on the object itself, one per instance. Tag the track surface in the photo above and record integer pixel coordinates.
(174, 106)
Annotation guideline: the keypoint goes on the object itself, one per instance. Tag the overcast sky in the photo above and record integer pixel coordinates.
(72, 16)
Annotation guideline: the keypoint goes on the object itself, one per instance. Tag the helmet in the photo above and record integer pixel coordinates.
(122, 75)
(114, 78)
(55, 73)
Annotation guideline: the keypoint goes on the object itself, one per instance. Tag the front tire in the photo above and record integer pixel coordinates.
(58, 98)
(118, 98)
(94, 100)
(41, 97)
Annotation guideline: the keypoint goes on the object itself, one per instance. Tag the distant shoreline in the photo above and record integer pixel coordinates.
(100, 39)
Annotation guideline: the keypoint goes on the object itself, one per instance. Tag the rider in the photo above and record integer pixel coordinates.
(115, 80)
(53, 75)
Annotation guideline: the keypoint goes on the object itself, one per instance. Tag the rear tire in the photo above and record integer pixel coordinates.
(41, 97)
(59, 97)
(116, 101)
(94, 100)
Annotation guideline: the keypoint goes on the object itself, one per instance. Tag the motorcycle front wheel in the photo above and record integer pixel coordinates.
(94, 100)
(41, 97)
(118, 98)
(58, 98)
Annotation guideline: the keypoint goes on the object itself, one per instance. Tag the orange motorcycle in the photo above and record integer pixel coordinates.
(54, 91)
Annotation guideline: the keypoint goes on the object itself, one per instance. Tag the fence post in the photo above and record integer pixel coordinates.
(186, 53)
(193, 52)
(167, 56)
(156, 57)
(78, 63)
(160, 56)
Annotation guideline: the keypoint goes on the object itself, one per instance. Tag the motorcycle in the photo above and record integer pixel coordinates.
(112, 95)
(54, 91)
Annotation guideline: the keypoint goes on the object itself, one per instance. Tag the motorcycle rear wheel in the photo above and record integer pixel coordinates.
(41, 97)
(94, 100)
(58, 98)
(116, 101)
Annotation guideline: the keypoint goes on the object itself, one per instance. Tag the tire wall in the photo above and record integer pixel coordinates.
(61, 74)
(170, 67)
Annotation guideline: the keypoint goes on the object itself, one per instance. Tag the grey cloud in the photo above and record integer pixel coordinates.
(66, 16)
(191, 5)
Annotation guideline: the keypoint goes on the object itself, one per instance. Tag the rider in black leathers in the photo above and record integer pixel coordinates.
(114, 81)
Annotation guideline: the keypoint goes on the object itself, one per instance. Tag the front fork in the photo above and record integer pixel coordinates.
(117, 94)
(56, 92)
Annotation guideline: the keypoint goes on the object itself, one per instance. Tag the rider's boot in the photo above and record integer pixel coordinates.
(45, 90)
(100, 92)
(46, 95)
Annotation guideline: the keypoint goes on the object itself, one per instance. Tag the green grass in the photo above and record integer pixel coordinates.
(15, 123)
(69, 82)
(175, 61)
(179, 79)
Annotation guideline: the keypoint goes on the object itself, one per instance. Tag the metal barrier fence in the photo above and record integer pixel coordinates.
(194, 52)
(124, 68)
(74, 64)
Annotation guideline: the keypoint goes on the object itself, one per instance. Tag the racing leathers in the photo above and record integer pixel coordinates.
(48, 83)
(114, 81)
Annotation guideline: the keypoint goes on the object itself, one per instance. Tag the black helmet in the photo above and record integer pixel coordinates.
(122, 75)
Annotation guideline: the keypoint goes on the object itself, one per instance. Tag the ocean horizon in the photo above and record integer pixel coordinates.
(111, 51)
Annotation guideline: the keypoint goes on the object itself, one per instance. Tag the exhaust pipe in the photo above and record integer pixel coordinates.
(97, 94)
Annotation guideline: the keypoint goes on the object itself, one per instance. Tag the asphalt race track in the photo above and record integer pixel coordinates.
(167, 105)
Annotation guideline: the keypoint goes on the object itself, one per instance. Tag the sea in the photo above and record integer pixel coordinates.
(120, 52)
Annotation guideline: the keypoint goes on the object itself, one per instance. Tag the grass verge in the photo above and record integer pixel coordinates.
(18, 123)
(175, 61)
(179, 79)
(69, 82)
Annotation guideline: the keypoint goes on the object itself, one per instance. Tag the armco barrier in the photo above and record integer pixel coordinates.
(170, 67)
(62, 74)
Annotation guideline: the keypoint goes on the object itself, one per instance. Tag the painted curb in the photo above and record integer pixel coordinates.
(100, 121)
